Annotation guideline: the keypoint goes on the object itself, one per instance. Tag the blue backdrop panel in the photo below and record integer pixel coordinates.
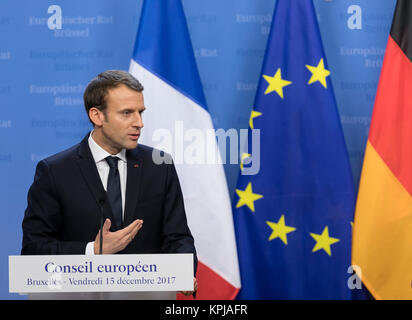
(43, 73)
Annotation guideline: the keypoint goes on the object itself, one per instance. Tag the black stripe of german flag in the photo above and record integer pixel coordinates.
(401, 30)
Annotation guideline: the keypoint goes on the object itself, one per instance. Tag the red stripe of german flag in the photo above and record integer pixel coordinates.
(382, 233)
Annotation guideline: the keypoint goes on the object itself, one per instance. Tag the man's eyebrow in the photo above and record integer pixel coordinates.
(125, 109)
(131, 109)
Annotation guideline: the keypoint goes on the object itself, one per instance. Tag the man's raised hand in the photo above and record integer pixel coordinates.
(114, 242)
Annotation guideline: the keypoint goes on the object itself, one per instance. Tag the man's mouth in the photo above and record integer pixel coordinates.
(134, 136)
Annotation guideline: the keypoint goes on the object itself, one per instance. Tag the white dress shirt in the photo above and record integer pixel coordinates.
(99, 156)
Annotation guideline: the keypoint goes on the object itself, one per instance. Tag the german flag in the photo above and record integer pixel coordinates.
(382, 232)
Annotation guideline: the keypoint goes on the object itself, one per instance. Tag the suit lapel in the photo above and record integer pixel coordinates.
(133, 184)
(91, 176)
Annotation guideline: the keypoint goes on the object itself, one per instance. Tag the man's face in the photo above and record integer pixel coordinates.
(122, 120)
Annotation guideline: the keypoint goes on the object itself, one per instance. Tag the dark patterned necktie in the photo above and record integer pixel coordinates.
(113, 191)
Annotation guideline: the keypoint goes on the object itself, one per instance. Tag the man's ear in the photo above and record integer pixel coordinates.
(96, 116)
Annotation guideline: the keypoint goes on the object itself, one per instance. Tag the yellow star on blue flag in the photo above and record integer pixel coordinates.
(276, 83)
(323, 241)
(280, 230)
(247, 197)
(319, 73)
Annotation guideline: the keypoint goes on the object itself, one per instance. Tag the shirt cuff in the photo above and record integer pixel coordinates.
(90, 248)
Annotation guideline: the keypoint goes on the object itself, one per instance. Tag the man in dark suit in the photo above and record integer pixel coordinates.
(109, 174)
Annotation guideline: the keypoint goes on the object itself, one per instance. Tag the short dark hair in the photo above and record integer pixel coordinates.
(96, 90)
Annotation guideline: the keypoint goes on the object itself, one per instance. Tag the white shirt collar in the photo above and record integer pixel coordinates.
(100, 154)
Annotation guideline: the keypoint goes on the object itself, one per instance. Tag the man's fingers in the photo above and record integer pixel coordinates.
(127, 234)
(134, 228)
(130, 236)
(127, 230)
(188, 293)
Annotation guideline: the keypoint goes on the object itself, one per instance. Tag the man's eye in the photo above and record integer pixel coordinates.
(126, 112)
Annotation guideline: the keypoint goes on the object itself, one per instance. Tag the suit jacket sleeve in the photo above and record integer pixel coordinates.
(177, 237)
(43, 218)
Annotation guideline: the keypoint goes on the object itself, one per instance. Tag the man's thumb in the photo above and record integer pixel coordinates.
(107, 224)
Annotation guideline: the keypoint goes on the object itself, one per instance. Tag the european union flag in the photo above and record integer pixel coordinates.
(293, 218)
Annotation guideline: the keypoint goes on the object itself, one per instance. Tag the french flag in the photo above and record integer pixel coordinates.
(163, 61)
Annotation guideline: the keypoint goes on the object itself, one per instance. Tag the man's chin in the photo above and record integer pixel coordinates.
(132, 145)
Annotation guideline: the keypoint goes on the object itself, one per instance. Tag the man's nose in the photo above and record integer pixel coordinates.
(138, 121)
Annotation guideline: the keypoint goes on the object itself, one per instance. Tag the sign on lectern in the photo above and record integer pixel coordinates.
(101, 273)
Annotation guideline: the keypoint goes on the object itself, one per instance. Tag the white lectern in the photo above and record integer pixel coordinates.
(115, 277)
